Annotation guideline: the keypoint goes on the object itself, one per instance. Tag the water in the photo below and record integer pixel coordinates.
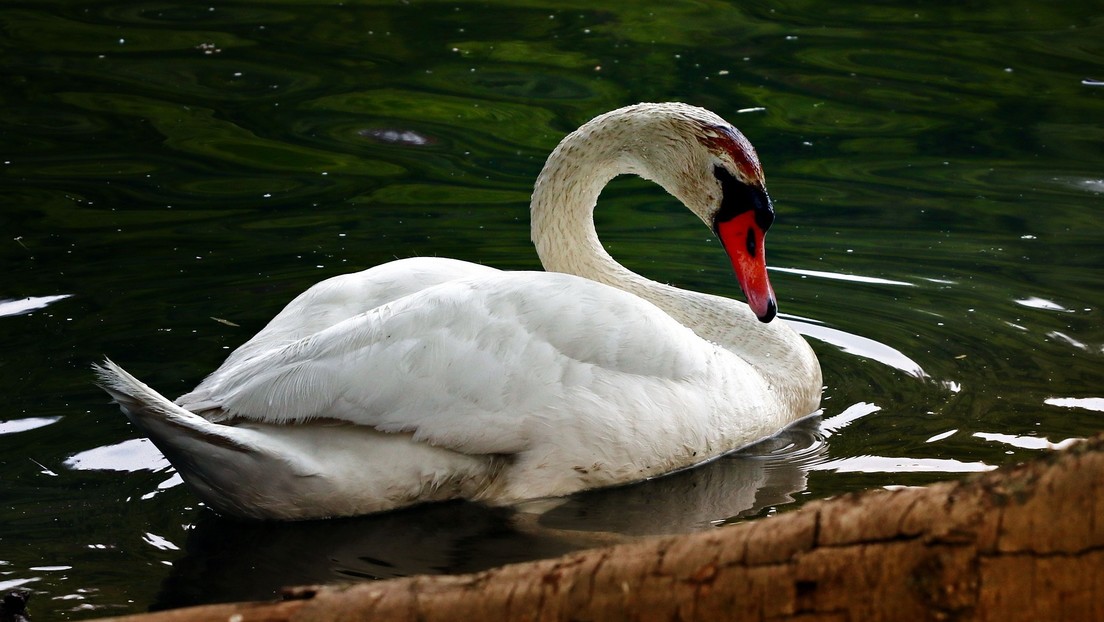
(171, 174)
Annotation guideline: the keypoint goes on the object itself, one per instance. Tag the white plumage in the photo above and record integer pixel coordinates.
(427, 379)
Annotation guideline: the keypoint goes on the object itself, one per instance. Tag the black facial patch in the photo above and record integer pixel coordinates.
(738, 197)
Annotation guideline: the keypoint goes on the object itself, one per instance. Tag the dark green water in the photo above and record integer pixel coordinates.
(172, 173)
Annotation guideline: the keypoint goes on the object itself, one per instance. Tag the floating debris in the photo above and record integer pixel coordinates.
(398, 137)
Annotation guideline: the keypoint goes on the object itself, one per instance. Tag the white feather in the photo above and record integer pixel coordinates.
(426, 379)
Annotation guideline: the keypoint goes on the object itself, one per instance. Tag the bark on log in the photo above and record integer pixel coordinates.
(1024, 542)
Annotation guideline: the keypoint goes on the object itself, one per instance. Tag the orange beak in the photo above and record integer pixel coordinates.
(742, 238)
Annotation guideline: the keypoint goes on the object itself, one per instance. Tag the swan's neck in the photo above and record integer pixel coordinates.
(563, 216)
(567, 191)
(566, 241)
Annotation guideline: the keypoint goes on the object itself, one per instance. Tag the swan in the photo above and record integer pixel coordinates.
(428, 379)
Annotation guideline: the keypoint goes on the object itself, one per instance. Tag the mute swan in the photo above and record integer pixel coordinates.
(428, 379)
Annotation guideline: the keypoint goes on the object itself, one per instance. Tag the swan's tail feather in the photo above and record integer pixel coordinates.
(209, 457)
(317, 470)
(136, 399)
(152, 412)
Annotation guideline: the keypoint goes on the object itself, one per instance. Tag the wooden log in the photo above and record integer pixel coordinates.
(1024, 542)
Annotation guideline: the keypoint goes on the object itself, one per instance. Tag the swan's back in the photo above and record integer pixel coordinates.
(340, 297)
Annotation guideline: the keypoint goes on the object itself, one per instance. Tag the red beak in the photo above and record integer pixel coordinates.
(742, 238)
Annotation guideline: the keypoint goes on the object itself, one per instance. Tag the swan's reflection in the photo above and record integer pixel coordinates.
(228, 560)
(739, 485)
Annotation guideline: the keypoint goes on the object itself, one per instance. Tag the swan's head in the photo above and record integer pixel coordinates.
(713, 169)
(742, 216)
(694, 154)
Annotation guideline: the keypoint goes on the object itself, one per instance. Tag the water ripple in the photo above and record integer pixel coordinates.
(859, 346)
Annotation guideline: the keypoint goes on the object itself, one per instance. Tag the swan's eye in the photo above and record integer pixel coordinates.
(738, 197)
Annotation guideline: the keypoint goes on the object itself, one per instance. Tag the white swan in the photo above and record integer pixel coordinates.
(428, 379)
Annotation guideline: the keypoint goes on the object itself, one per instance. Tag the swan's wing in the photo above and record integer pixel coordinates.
(336, 299)
(341, 297)
(466, 363)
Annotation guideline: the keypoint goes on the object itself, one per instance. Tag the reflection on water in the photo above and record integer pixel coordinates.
(1039, 303)
(465, 537)
(935, 170)
(883, 464)
(28, 423)
(858, 346)
(19, 307)
(1088, 403)
(134, 455)
(841, 277)
(1026, 442)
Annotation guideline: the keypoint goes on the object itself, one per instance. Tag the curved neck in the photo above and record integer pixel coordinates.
(562, 212)
(567, 190)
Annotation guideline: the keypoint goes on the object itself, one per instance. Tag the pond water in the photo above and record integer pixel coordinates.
(171, 174)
